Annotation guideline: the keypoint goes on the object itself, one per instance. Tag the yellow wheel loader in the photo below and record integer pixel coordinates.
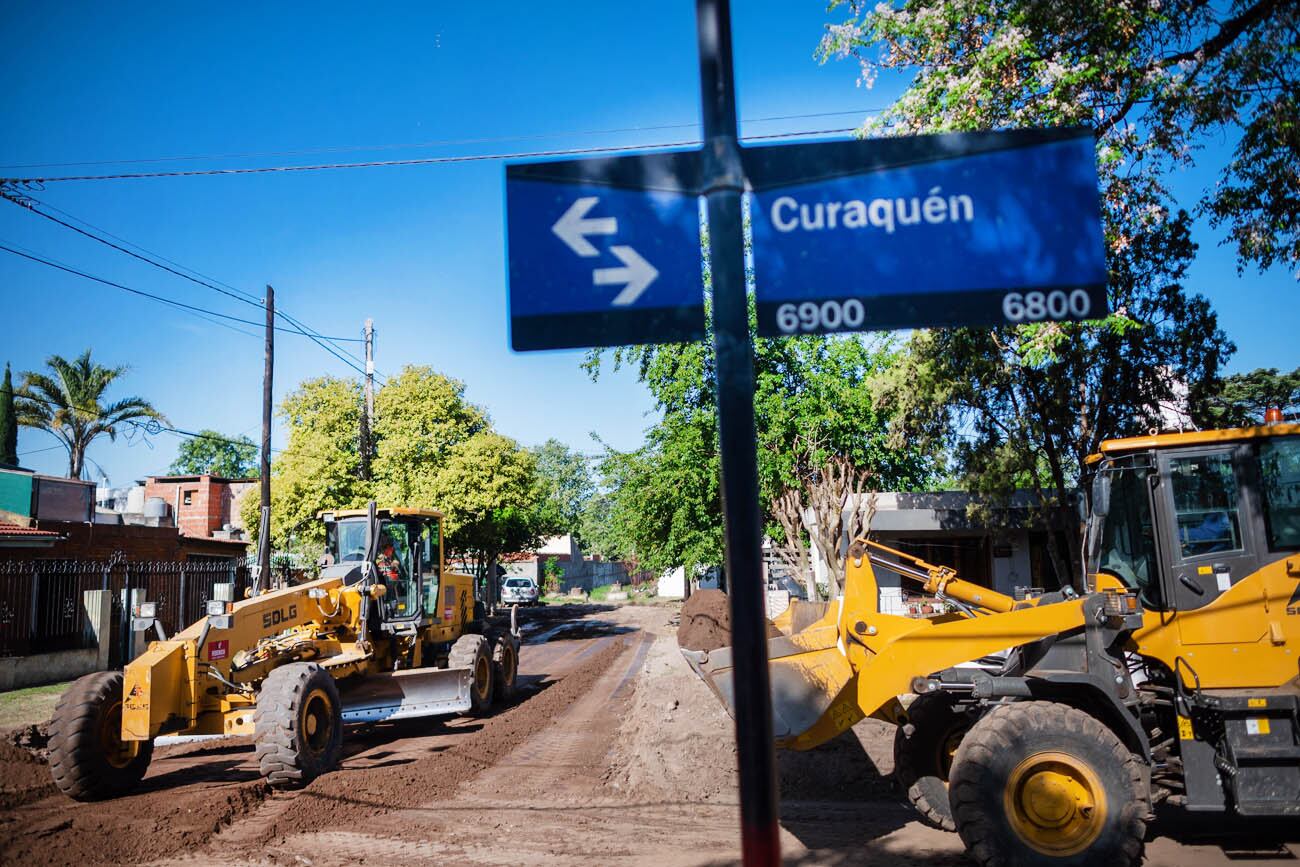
(385, 633)
(1043, 730)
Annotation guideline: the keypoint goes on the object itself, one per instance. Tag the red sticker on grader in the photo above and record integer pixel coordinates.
(219, 649)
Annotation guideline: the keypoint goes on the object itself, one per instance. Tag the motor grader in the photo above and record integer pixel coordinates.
(1043, 730)
(385, 633)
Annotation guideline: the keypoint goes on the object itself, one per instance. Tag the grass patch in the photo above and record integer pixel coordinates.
(29, 706)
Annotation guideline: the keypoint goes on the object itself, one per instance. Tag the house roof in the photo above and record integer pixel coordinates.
(26, 536)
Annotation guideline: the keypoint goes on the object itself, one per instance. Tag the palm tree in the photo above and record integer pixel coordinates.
(67, 404)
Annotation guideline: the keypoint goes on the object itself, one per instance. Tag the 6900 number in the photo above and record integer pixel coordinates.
(1034, 306)
(818, 316)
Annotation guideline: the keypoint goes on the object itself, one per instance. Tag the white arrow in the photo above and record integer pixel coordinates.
(573, 229)
(638, 274)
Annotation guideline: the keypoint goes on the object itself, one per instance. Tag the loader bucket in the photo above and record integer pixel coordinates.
(808, 674)
(407, 694)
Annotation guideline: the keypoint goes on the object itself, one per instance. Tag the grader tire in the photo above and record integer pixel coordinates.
(923, 751)
(505, 667)
(1042, 783)
(473, 652)
(88, 758)
(298, 725)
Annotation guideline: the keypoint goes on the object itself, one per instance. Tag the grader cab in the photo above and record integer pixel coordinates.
(385, 633)
(1043, 730)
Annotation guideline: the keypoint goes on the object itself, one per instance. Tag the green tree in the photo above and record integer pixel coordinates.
(1243, 398)
(67, 402)
(214, 453)
(1023, 406)
(319, 468)
(8, 422)
(433, 449)
(1156, 80)
(812, 403)
(564, 487)
(421, 416)
(485, 490)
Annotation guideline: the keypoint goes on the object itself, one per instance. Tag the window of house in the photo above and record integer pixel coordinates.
(187, 498)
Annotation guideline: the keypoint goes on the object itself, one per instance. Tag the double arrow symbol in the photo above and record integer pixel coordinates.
(574, 227)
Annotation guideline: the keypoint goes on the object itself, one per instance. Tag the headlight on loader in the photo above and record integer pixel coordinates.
(1120, 604)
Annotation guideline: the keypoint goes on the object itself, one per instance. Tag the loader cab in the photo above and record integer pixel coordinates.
(1182, 518)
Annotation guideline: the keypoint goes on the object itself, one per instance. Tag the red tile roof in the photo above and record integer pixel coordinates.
(26, 532)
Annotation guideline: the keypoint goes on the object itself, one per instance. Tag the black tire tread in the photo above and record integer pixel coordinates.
(465, 652)
(503, 688)
(996, 734)
(275, 723)
(926, 715)
(75, 762)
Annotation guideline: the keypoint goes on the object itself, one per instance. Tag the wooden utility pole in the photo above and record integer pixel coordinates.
(264, 531)
(368, 416)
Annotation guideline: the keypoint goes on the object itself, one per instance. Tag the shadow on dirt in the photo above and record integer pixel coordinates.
(837, 803)
(1242, 839)
(234, 770)
(579, 630)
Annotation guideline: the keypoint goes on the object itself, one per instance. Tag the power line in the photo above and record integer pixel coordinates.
(153, 426)
(190, 307)
(428, 144)
(29, 203)
(253, 170)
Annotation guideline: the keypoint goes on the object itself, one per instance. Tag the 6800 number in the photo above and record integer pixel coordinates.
(820, 316)
(1034, 306)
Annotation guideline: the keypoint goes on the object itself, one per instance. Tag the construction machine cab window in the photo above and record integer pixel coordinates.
(346, 541)
(394, 569)
(430, 562)
(1279, 472)
(1128, 549)
(1205, 504)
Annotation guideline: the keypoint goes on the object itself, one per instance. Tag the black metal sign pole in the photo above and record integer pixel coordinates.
(724, 184)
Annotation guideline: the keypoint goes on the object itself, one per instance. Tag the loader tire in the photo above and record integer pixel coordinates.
(473, 652)
(505, 667)
(298, 725)
(1038, 782)
(88, 758)
(923, 751)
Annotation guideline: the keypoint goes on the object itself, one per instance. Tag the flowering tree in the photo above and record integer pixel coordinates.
(1022, 406)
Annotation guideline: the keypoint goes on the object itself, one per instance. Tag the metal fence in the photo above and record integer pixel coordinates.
(41, 606)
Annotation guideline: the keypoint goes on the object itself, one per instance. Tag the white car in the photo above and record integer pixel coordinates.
(519, 591)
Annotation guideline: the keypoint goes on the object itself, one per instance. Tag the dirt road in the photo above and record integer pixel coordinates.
(614, 753)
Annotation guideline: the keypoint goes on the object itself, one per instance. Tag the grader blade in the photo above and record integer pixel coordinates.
(807, 672)
(408, 694)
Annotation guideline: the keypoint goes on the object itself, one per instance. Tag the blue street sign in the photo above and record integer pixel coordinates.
(963, 229)
(604, 252)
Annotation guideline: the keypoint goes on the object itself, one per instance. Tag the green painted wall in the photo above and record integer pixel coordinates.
(16, 492)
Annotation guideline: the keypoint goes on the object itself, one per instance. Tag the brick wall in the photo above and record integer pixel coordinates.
(212, 501)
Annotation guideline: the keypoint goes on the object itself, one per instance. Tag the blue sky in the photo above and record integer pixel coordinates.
(419, 249)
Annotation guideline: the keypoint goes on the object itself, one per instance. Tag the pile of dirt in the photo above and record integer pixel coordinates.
(35, 739)
(24, 777)
(706, 622)
(679, 742)
(349, 797)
